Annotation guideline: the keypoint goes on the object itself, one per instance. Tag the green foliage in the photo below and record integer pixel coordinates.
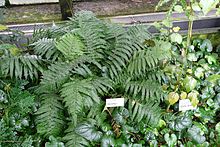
(73, 68)
(46, 48)
(94, 58)
(78, 94)
(50, 117)
(15, 110)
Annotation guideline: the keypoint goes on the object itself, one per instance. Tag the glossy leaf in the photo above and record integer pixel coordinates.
(177, 38)
(195, 134)
(181, 122)
(172, 98)
(89, 131)
(171, 140)
(189, 83)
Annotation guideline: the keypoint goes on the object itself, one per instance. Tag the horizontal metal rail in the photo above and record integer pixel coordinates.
(206, 24)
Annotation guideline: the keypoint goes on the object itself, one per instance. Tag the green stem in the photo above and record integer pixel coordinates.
(168, 107)
(190, 26)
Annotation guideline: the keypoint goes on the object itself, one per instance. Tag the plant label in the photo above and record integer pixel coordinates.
(115, 102)
(185, 105)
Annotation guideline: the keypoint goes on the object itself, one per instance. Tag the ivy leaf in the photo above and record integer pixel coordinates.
(172, 98)
(89, 131)
(206, 45)
(205, 115)
(206, 7)
(193, 97)
(192, 57)
(213, 78)
(189, 83)
(178, 8)
(176, 38)
(54, 143)
(181, 122)
(195, 134)
(2, 27)
(211, 59)
(199, 72)
(171, 140)
(196, 7)
(107, 141)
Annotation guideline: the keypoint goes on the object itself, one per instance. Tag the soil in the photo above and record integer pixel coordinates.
(102, 8)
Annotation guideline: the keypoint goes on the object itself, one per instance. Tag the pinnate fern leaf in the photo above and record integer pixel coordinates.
(149, 113)
(78, 94)
(21, 67)
(50, 118)
(46, 49)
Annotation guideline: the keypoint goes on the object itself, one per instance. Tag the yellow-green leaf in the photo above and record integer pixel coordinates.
(2, 27)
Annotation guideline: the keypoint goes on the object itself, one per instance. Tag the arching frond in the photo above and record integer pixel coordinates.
(78, 94)
(50, 118)
(46, 49)
(149, 113)
(146, 90)
(145, 60)
(21, 67)
(102, 85)
(56, 75)
(70, 46)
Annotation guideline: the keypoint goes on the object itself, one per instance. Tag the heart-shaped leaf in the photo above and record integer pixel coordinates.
(195, 134)
(54, 143)
(192, 57)
(107, 141)
(199, 72)
(189, 83)
(193, 97)
(171, 140)
(181, 122)
(207, 6)
(172, 98)
(177, 38)
(183, 95)
(206, 45)
(89, 131)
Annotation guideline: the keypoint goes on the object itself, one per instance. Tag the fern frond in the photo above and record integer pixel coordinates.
(70, 46)
(147, 90)
(145, 60)
(102, 85)
(50, 33)
(78, 94)
(56, 75)
(21, 67)
(50, 119)
(46, 49)
(124, 46)
(149, 113)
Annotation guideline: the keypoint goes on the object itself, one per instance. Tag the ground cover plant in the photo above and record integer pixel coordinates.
(53, 89)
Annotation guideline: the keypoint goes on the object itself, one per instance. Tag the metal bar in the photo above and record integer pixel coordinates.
(203, 23)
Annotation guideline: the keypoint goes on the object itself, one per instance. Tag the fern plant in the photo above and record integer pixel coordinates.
(94, 60)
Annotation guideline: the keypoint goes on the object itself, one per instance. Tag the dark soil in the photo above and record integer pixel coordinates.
(102, 8)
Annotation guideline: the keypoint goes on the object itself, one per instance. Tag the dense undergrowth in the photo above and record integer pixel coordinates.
(53, 89)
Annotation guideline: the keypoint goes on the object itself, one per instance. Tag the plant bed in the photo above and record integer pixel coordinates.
(53, 89)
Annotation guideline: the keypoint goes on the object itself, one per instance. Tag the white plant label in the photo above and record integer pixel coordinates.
(185, 105)
(115, 102)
